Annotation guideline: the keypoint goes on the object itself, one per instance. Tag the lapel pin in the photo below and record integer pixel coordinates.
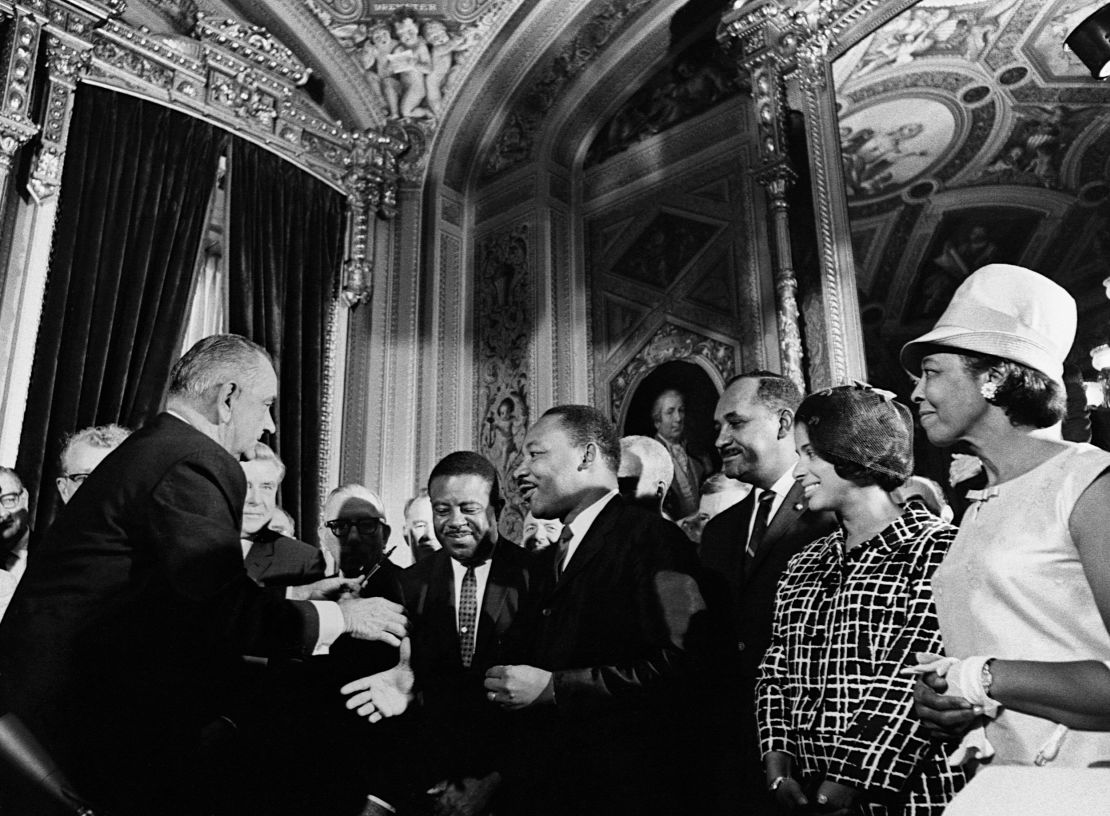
(798, 507)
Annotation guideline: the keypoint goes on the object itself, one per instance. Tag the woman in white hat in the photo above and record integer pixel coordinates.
(1023, 596)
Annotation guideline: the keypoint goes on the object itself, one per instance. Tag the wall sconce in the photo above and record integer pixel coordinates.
(1090, 41)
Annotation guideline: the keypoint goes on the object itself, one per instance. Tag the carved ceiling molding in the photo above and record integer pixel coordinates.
(489, 89)
(516, 141)
(802, 35)
(633, 56)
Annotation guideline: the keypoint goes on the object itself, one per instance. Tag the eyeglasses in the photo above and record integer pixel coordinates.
(9, 501)
(366, 526)
(77, 478)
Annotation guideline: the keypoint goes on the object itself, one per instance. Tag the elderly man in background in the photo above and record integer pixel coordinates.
(82, 452)
(668, 414)
(15, 530)
(292, 772)
(646, 472)
(272, 559)
(416, 531)
(128, 626)
(718, 493)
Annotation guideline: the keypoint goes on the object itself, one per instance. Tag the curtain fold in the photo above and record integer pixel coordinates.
(131, 217)
(284, 246)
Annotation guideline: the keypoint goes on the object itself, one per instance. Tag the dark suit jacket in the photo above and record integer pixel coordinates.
(612, 631)
(742, 597)
(279, 561)
(751, 587)
(462, 732)
(129, 622)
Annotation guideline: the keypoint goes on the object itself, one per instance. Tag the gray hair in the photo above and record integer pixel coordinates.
(107, 436)
(13, 474)
(213, 361)
(656, 464)
(261, 452)
(656, 410)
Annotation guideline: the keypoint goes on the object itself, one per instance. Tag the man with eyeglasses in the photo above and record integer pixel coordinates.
(15, 529)
(296, 777)
(82, 451)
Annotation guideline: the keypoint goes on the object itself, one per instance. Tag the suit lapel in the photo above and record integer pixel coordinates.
(259, 558)
(593, 542)
(784, 520)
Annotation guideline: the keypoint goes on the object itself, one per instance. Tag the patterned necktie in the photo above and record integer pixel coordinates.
(561, 552)
(759, 528)
(468, 616)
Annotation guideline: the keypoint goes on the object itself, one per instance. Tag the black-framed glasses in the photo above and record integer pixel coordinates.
(365, 526)
(77, 478)
(9, 501)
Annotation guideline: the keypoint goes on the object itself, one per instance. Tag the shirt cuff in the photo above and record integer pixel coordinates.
(331, 625)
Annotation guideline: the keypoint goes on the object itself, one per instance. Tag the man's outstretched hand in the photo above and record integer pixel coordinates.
(385, 694)
(374, 619)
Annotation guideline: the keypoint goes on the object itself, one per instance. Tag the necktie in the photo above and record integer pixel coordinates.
(759, 528)
(468, 616)
(561, 551)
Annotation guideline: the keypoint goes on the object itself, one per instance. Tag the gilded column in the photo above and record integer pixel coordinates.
(20, 50)
(753, 34)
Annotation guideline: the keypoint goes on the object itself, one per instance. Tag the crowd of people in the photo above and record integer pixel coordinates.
(803, 631)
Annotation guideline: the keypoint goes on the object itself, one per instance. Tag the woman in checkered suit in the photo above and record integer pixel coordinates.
(836, 718)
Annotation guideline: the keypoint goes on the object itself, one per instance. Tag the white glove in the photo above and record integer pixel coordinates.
(965, 679)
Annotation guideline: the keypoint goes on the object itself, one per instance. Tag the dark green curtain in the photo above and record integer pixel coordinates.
(284, 249)
(131, 217)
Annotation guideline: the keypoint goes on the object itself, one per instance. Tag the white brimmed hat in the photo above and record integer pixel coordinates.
(1006, 311)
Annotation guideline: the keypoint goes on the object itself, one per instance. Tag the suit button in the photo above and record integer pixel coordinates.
(741, 646)
(546, 612)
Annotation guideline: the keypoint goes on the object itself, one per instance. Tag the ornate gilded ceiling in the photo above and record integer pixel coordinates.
(969, 134)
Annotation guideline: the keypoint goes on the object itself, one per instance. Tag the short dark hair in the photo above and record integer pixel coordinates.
(586, 425)
(864, 434)
(469, 463)
(1028, 396)
(212, 361)
(775, 391)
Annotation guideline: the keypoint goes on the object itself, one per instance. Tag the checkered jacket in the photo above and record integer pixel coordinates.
(829, 692)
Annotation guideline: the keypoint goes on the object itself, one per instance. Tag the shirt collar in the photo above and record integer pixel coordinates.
(584, 520)
(784, 483)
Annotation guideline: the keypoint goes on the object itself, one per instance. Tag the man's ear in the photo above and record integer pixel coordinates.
(589, 456)
(227, 392)
(786, 423)
(63, 487)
